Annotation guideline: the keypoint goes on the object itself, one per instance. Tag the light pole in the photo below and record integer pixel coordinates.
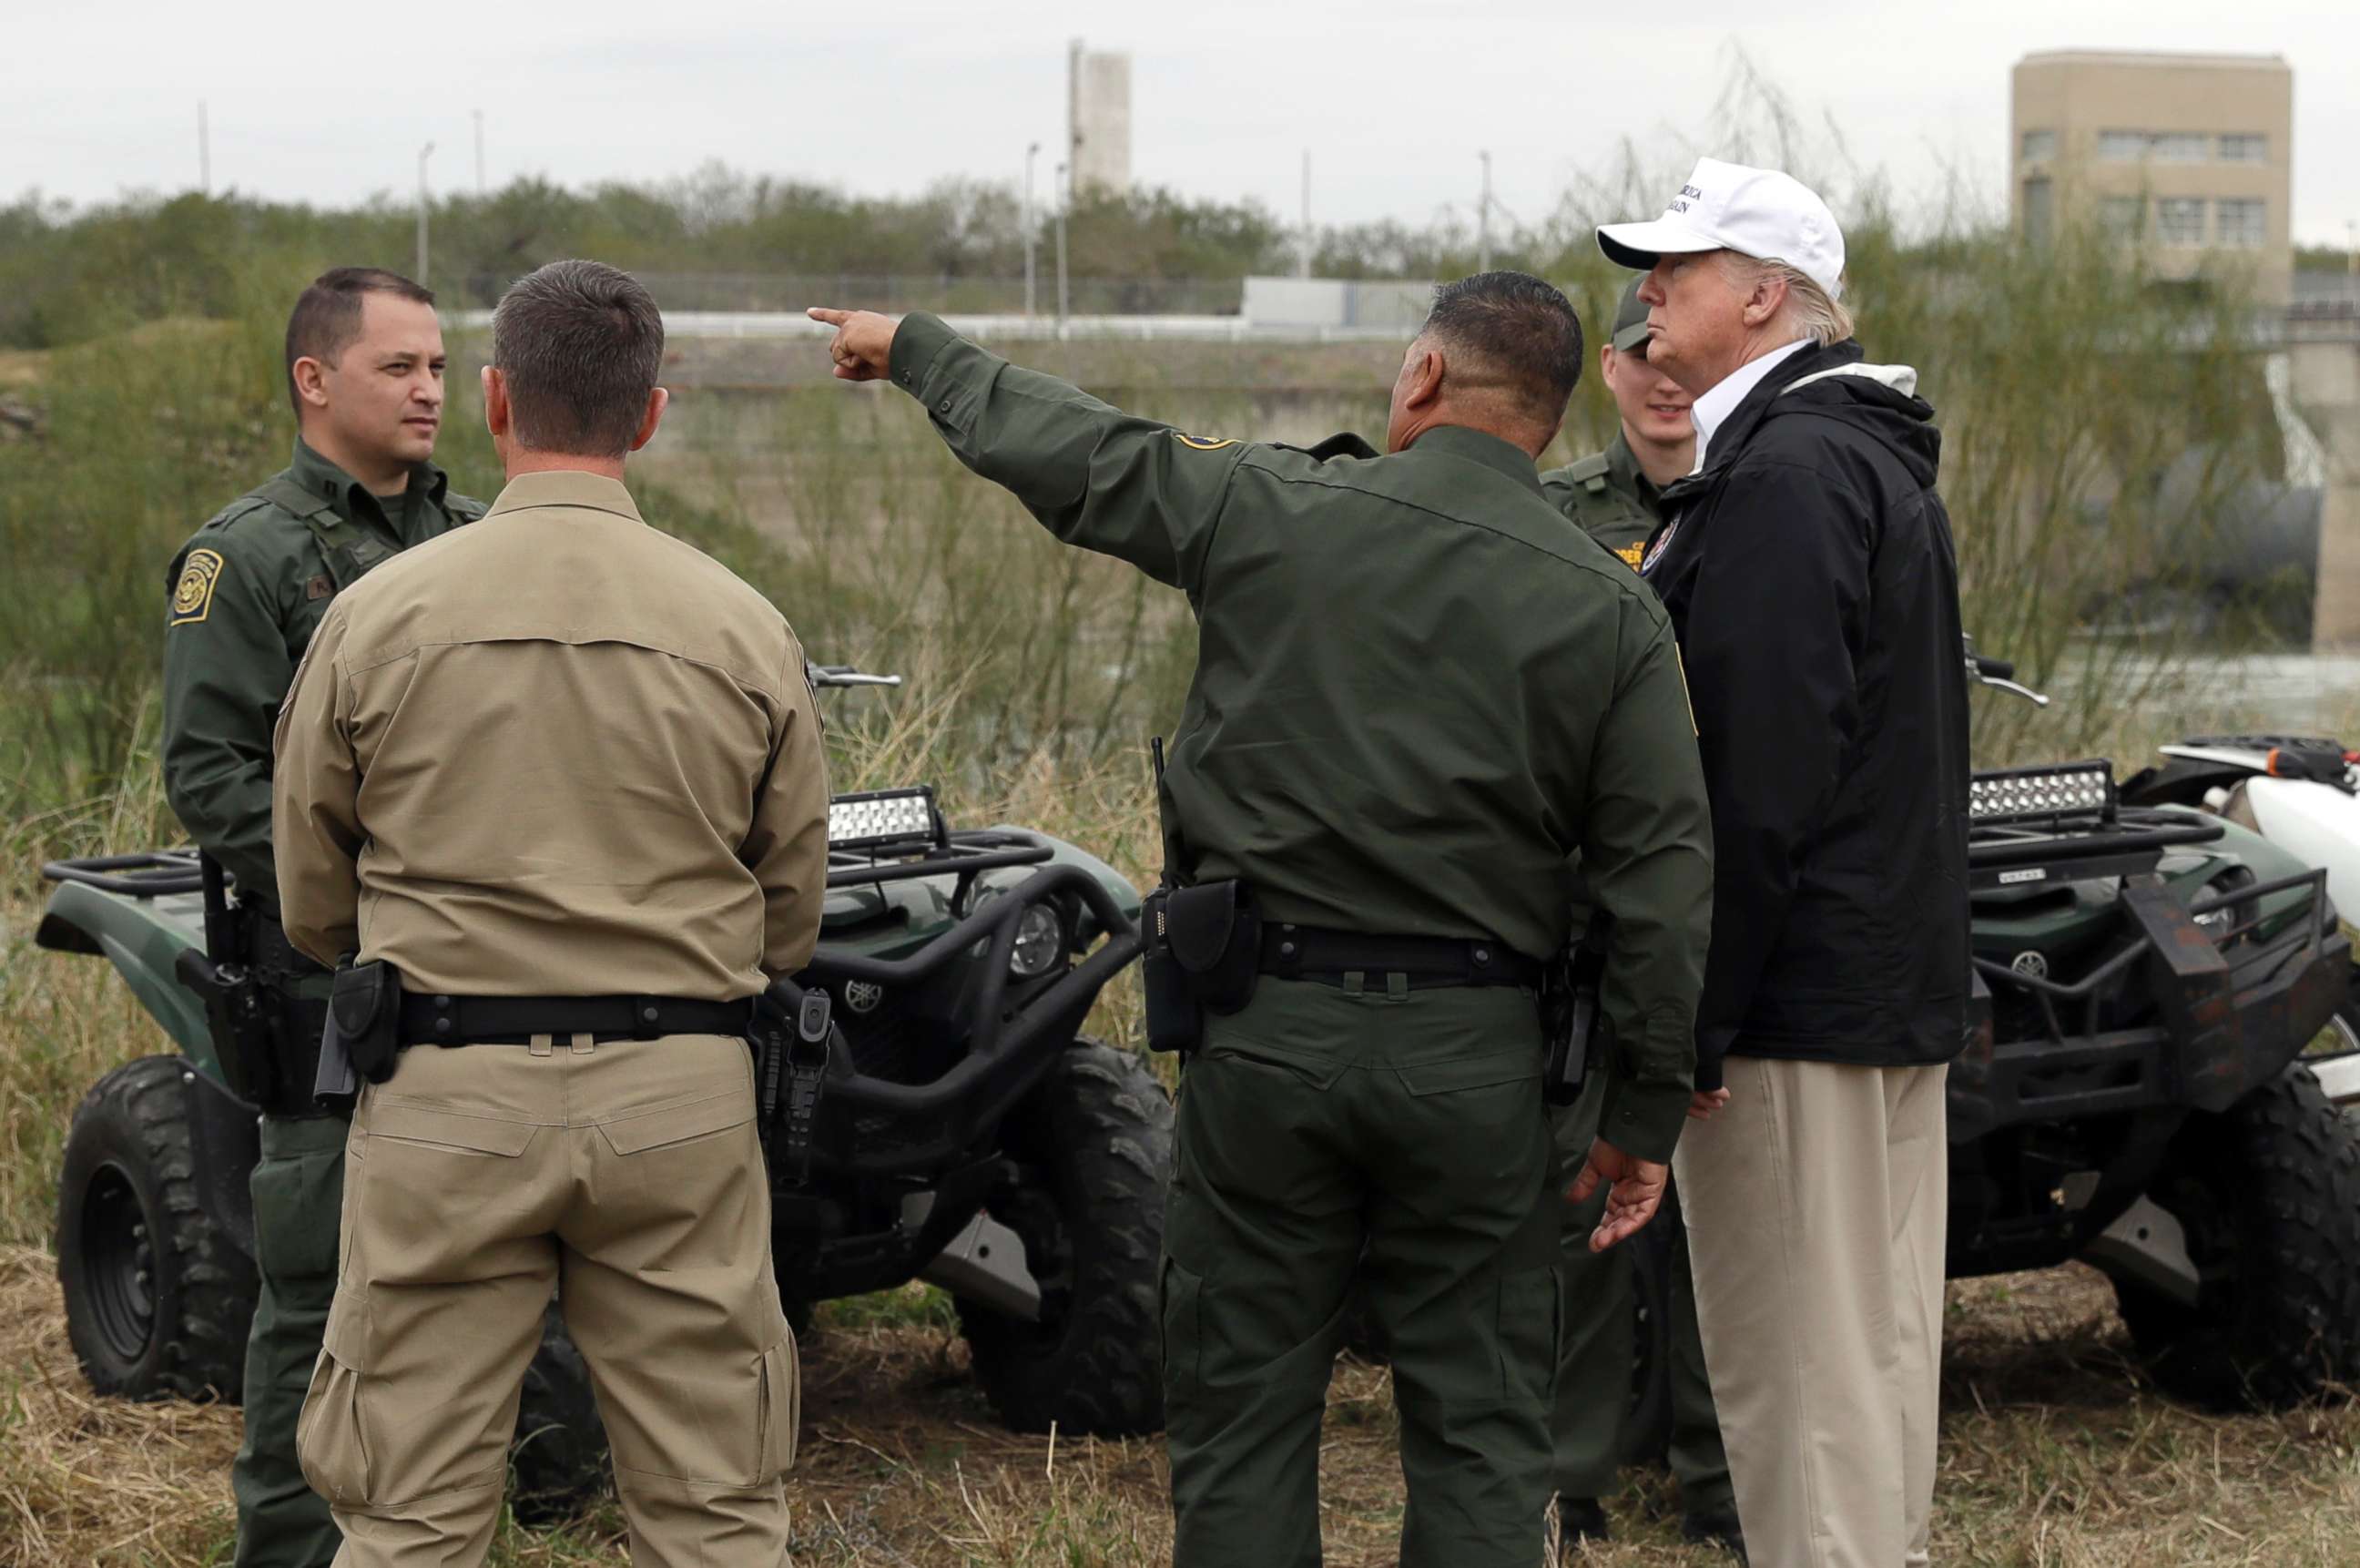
(1063, 203)
(204, 151)
(1030, 229)
(1483, 219)
(1303, 262)
(424, 154)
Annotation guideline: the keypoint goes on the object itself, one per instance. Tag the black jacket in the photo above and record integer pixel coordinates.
(1809, 573)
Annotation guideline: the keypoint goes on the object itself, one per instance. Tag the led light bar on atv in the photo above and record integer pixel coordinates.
(2068, 791)
(884, 818)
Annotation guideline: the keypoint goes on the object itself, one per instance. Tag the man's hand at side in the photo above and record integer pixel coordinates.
(1636, 1187)
(863, 345)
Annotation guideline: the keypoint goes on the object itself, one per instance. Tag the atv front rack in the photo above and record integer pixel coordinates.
(2024, 853)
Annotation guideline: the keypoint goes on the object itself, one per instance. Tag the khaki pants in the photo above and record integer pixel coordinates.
(1816, 1206)
(627, 1177)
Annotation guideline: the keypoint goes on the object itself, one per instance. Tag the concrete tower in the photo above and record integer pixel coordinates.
(1098, 121)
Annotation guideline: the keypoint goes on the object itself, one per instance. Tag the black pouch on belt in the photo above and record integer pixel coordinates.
(1176, 1020)
(1215, 932)
(366, 1011)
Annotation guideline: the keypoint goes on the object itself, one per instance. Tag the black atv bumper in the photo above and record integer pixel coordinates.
(2233, 1007)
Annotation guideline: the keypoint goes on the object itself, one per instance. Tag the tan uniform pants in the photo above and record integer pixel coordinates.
(1815, 1208)
(627, 1176)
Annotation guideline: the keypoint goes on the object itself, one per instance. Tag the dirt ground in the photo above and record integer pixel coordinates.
(2054, 1454)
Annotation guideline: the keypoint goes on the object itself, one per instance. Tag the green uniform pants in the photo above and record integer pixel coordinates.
(1593, 1382)
(298, 1192)
(1318, 1129)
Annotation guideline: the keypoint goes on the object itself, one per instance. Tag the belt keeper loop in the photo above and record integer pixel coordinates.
(541, 1045)
(582, 1044)
(1396, 984)
(1355, 982)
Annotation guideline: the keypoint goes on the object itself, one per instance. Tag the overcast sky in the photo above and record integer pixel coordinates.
(330, 102)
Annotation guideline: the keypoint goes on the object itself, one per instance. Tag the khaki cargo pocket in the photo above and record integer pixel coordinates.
(1530, 1334)
(330, 1439)
(1179, 1297)
(782, 1409)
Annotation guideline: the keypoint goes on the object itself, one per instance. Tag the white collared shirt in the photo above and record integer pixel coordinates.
(1712, 410)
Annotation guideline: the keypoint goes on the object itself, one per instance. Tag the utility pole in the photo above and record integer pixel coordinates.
(424, 154)
(1483, 219)
(1031, 229)
(479, 152)
(204, 151)
(1064, 300)
(1303, 266)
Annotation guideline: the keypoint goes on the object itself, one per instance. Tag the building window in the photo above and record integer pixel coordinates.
(2123, 216)
(2040, 210)
(2039, 147)
(2121, 146)
(2179, 147)
(2244, 225)
(2180, 220)
(2244, 148)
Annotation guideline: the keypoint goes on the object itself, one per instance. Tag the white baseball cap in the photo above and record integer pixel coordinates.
(1758, 213)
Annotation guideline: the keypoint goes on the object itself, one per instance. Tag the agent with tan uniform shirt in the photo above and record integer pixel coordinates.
(562, 774)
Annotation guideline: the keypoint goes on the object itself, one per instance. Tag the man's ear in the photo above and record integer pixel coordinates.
(1769, 297)
(496, 413)
(658, 400)
(1422, 379)
(311, 379)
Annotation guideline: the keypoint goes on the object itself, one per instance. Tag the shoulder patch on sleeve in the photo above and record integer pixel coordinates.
(192, 596)
(1201, 443)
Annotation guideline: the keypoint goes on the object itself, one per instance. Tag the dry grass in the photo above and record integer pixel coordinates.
(2054, 1455)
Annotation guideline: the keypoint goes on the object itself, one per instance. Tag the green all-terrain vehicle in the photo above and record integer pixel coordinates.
(965, 1132)
(2147, 984)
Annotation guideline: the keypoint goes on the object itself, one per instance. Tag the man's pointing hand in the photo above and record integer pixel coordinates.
(863, 345)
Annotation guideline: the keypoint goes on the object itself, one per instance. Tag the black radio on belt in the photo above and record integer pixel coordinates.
(364, 1017)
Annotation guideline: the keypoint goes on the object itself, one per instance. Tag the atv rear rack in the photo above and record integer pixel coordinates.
(151, 873)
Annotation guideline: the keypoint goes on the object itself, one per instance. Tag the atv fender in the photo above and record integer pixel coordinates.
(142, 938)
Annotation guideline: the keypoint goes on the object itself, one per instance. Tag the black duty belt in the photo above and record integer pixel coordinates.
(435, 1020)
(1326, 956)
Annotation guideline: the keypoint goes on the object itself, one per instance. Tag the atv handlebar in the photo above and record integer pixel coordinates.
(845, 675)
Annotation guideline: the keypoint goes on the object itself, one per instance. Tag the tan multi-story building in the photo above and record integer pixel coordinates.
(2189, 155)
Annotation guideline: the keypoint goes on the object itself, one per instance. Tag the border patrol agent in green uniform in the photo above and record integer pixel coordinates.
(365, 365)
(1418, 697)
(1613, 496)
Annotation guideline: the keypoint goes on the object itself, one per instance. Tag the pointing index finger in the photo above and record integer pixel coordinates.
(832, 317)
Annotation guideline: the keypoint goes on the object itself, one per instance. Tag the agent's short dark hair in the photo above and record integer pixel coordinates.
(579, 344)
(1519, 330)
(326, 319)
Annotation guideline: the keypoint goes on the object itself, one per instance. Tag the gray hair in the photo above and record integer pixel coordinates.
(1809, 311)
(579, 346)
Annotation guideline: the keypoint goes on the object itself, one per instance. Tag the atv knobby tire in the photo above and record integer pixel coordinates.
(157, 1300)
(559, 1454)
(2268, 1194)
(1095, 1135)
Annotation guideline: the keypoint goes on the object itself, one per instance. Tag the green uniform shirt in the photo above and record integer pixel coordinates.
(246, 592)
(1611, 500)
(1417, 696)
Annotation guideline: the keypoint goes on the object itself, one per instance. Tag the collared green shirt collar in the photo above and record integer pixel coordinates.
(1475, 447)
(565, 488)
(1624, 474)
(356, 502)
